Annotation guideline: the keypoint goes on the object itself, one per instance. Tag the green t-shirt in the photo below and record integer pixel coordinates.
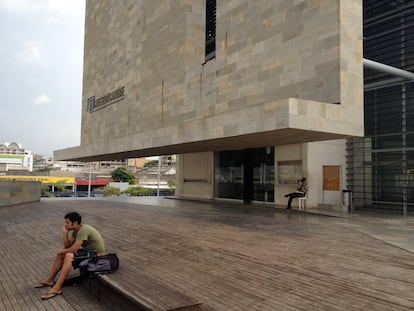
(92, 240)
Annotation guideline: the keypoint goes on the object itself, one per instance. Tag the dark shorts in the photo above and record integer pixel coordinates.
(81, 255)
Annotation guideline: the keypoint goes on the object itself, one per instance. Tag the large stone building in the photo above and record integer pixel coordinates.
(250, 95)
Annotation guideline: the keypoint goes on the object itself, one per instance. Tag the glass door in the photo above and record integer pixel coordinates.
(246, 175)
(228, 175)
(264, 176)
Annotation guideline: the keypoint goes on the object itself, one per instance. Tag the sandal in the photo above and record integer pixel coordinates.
(51, 294)
(43, 284)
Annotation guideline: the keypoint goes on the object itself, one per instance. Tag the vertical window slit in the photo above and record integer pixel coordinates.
(210, 29)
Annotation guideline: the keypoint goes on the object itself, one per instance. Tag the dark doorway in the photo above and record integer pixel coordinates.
(246, 175)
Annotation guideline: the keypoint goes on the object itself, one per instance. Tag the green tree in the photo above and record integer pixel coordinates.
(171, 184)
(111, 191)
(61, 186)
(124, 175)
(45, 191)
(152, 163)
(138, 190)
(43, 169)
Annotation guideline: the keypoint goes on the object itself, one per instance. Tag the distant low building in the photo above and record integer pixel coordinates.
(14, 157)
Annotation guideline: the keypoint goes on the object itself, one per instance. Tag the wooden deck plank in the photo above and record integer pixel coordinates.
(232, 260)
(225, 258)
(28, 248)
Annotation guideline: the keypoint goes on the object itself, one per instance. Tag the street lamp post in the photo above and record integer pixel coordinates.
(90, 177)
(159, 173)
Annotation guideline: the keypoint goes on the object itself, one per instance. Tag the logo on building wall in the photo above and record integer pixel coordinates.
(106, 100)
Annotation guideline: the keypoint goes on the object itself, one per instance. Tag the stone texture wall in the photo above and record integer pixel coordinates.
(141, 45)
(267, 53)
(195, 175)
(13, 192)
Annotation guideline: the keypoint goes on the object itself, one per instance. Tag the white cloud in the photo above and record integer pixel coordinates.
(32, 53)
(42, 100)
(64, 7)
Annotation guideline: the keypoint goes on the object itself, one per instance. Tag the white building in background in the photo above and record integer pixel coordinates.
(14, 157)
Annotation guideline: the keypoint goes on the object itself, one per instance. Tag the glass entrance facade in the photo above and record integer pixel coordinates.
(381, 165)
(246, 175)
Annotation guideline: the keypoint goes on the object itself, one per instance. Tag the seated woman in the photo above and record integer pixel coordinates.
(300, 192)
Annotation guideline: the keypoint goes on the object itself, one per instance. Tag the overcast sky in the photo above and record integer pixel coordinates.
(41, 61)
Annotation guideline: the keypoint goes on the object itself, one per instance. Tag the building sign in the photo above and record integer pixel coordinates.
(43, 179)
(106, 100)
(17, 156)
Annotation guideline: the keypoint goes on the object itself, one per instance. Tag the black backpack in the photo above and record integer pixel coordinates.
(100, 264)
(92, 266)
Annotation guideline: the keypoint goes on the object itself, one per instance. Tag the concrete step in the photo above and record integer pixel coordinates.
(333, 207)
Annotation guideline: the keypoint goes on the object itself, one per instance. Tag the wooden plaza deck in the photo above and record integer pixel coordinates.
(199, 256)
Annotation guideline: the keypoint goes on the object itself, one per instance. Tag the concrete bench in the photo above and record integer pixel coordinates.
(132, 291)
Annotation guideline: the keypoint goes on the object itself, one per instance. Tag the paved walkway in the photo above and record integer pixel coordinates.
(228, 257)
(391, 228)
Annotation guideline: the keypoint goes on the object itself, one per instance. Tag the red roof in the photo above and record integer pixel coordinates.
(94, 182)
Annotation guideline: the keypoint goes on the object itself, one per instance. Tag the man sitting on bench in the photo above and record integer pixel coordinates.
(78, 240)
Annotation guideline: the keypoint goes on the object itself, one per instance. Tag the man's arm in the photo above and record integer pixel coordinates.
(302, 189)
(72, 249)
(67, 242)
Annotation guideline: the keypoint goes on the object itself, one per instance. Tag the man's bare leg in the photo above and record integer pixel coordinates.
(64, 272)
(57, 266)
